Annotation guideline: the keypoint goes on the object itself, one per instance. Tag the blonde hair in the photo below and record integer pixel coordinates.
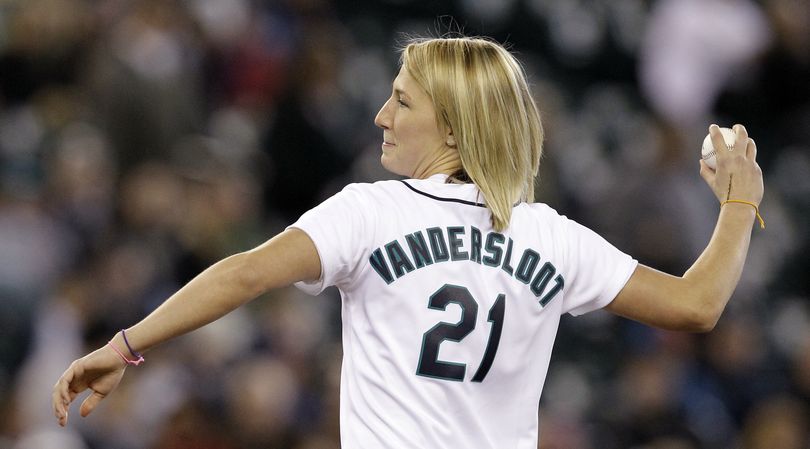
(480, 91)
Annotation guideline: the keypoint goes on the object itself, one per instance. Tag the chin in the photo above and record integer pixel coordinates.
(392, 167)
(384, 162)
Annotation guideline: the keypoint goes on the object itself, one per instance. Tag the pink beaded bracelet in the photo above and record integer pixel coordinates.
(126, 360)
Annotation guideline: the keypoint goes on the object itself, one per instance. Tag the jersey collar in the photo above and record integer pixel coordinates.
(437, 188)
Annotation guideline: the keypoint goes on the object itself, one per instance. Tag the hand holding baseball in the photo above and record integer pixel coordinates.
(707, 150)
(737, 175)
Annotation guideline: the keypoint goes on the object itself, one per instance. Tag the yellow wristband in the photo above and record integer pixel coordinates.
(756, 209)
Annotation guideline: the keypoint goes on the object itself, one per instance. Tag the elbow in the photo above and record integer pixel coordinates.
(703, 324)
(701, 318)
(702, 304)
(244, 276)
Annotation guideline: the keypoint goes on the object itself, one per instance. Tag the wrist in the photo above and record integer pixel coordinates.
(120, 343)
(111, 356)
(743, 208)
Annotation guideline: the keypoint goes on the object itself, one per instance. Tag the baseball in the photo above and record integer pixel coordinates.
(707, 152)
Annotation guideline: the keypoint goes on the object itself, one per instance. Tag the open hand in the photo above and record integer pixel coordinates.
(100, 371)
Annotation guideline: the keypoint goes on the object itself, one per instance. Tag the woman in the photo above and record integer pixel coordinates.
(452, 281)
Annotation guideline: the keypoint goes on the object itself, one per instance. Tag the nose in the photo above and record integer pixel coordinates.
(383, 118)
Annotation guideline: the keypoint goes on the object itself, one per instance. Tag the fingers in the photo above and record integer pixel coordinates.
(90, 403)
(751, 150)
(742, 146)
(742, 138)
(707, 173)
(69, 385)
(62, 397)
(60, 403)
(718, 142)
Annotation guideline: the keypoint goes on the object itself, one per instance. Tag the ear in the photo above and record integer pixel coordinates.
(451, 140)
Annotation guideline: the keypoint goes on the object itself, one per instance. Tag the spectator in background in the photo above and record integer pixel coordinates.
(692, 49)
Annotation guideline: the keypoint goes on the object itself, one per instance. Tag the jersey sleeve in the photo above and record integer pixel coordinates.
(596, 270)
(339, 228)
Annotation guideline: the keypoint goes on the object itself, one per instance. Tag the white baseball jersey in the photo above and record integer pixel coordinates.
(448, 325)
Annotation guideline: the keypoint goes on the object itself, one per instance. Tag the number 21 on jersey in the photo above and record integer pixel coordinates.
(429, 363)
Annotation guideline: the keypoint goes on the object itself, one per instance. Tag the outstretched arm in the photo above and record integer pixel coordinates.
(695, 301)
(287, 258)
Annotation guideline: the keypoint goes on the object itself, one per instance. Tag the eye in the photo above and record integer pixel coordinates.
(402, 103)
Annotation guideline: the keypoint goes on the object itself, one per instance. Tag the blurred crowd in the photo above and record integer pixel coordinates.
(143, 140)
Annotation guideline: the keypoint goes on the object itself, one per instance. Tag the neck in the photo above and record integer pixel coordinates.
(446, 162)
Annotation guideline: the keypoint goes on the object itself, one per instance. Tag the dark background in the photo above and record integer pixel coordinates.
(141, 141)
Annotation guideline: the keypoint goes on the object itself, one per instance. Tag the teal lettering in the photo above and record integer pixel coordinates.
(540, 281)
(419, 249)
(429, 246)
(377, 262)
(528, 262)
(508, 259)
(475, 244)
(437, 245)
(553, 292)
(495, 252)
(455, 243)
(399, 260)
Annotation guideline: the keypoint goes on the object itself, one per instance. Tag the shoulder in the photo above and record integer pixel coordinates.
(374, 191)
(371, 188)
(545, 220)
(540, 208)
(541, 211)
